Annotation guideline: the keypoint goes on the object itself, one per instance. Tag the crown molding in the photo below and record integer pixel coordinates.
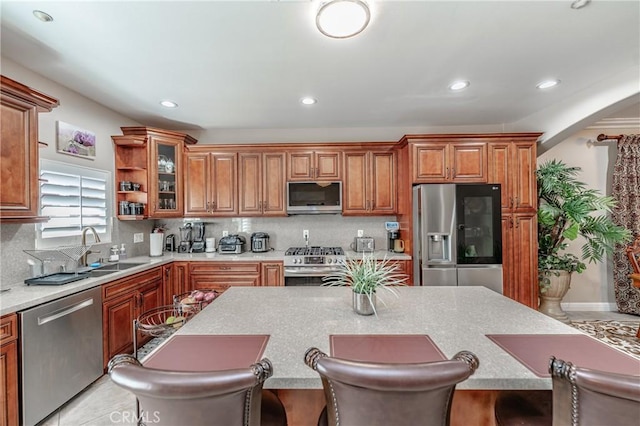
(616, 123)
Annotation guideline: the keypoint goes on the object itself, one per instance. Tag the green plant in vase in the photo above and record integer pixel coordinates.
(568, 209)
(366, 276)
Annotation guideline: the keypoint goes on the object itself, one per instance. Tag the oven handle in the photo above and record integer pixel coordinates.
(306, 273)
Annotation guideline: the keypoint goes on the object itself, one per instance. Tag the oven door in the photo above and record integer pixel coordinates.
(306, 275)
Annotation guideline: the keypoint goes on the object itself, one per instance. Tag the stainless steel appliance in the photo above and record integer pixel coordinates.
(170, 242)
(457, 235)
(260, 242)
(306, 266)
(392, 236)
(61, 346)
(185, 239)
(231, 244)
(314, 197)
(198, 243)
(363, 244)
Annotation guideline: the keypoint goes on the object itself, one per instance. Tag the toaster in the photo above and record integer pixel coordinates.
(363, 244)
(231, 244)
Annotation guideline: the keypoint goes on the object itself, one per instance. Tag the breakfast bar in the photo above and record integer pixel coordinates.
(453, 318)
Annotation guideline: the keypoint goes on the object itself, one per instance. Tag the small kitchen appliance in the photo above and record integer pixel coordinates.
(185, 239)
(260, 242)
(170, 243)
(392, 236)
(363, 244)
(198, 244)
(231, 244)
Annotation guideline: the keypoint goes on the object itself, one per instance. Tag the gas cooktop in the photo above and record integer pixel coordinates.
(314, 251)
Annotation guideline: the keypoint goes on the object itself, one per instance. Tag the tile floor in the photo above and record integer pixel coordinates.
(103, 404)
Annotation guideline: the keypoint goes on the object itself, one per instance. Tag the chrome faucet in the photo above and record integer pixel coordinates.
(83, 258)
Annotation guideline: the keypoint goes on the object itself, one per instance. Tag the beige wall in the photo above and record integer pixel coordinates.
(593, 289)
(82, 112)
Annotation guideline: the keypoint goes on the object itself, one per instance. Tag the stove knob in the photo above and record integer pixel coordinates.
(295, 260)
(330, 261)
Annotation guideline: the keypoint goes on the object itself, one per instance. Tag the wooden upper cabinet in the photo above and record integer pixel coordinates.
(261, 180)
(370, 183)
(211, 184)
(19, 184)
(153, 159)
(513, 165)
(314, 165)
(440, 161)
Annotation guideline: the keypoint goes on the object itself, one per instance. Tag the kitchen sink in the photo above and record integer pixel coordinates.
(112, 268)
(117, 266)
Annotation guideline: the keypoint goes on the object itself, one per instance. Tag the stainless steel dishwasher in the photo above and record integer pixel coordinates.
(61, 352)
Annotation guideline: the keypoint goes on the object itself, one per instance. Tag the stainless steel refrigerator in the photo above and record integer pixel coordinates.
(457, 237)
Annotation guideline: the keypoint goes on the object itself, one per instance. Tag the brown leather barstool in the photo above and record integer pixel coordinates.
(580, 397)
(377, 394)
(216, 398)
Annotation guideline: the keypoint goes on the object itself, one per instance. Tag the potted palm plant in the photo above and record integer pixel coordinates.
(568, 209)
(365, 277)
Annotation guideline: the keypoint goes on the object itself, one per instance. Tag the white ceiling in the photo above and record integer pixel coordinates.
(245, 65)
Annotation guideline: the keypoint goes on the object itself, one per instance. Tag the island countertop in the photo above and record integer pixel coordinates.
(455, 318)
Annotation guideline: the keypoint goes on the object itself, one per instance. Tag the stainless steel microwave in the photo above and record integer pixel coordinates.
(314, 197)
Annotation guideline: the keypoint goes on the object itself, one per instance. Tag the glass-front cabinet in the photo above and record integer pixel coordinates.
(165, 178)
(148, 173)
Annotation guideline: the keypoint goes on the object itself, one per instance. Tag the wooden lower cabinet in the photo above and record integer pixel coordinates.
(222, 275)
(520, 258)
(272, 274)
(123, 301)
(9, 410)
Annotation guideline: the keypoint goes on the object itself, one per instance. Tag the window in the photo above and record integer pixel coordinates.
(73, 197)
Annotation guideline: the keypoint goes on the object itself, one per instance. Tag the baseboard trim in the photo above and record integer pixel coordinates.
(604, 307)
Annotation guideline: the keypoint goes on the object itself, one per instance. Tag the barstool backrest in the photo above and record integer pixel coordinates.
(359, 393)
(585, 397)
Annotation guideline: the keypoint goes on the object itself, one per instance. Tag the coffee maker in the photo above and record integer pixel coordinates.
(198, 244)
(393, 234)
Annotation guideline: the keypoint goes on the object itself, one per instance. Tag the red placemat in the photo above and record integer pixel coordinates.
(208, 353)
(396, 348)
(534, 351)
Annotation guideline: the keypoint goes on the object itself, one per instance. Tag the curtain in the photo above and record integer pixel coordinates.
(626, 191)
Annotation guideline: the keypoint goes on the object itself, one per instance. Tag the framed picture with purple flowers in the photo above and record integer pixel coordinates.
(75, 141)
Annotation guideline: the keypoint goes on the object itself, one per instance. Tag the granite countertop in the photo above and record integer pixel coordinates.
(455, 318)
(21, 296)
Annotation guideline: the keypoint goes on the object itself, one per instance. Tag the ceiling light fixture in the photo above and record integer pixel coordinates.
(547, 84)
(43, 16)
(169, 104)
(343, 18)
(459, 85)
(579, 4)
(308, 101)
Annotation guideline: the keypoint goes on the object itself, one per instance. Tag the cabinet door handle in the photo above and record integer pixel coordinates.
(517, 202)
(511, 222)
(446, 174)
(453, 172)
(517, 223)
(208, 205)
(213, 205)
(510, 202)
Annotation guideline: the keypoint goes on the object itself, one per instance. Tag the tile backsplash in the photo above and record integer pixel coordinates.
(284, 232)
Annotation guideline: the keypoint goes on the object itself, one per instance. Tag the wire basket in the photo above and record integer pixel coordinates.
(162, 321)
(181, 301)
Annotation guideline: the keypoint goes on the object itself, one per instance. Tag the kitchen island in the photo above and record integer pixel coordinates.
(455, 318)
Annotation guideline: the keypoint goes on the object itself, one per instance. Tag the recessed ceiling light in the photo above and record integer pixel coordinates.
(459, 85)
(44, 17)
(169, 104)
(579, 4)
(343, 18)
(546, 84)
(308, 101)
